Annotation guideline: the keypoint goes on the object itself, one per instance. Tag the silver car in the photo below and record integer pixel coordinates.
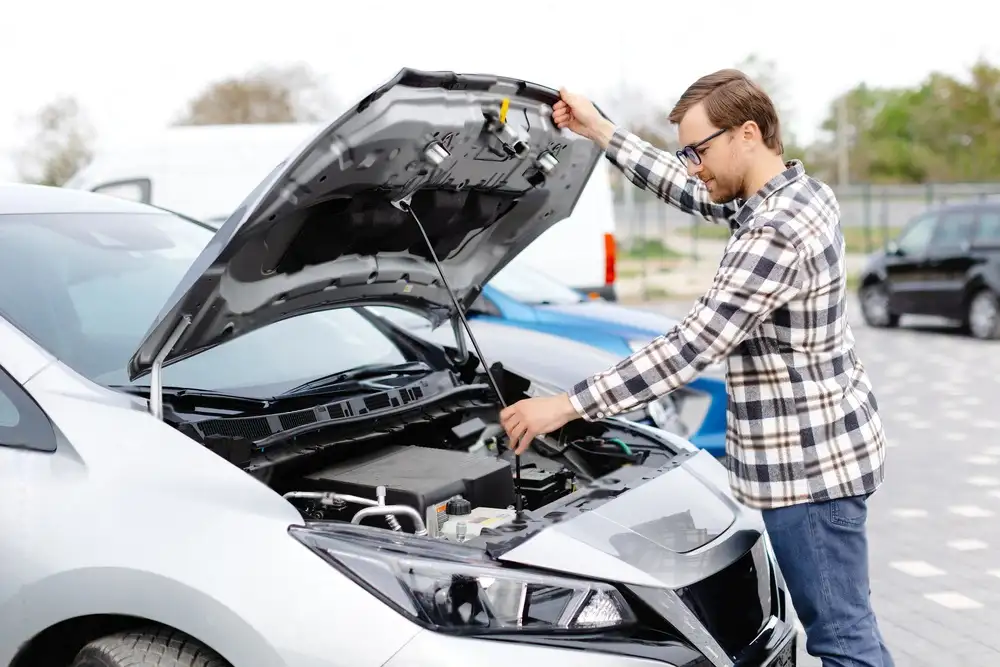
(212, 454)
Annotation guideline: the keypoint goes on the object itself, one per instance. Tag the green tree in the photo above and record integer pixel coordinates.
(942, 130)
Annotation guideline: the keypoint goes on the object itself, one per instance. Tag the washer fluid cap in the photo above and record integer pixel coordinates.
(458, 507)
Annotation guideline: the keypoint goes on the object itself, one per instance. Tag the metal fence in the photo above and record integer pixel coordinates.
(878, 210)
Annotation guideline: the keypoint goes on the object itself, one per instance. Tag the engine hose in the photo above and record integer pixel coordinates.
(621, 443)
(389, 518)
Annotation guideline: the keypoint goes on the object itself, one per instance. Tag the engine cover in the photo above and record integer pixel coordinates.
(420, 477)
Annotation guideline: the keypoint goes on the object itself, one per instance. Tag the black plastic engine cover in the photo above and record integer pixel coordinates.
(420, 477)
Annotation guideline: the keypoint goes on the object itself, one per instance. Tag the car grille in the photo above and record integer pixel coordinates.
(734, 603)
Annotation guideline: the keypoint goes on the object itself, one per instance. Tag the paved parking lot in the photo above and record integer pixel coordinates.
(934, 529)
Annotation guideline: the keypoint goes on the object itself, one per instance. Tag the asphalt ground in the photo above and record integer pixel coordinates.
(933, 527)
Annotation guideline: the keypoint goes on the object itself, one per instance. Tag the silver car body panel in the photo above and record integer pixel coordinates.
(131, 517)
(476, 158)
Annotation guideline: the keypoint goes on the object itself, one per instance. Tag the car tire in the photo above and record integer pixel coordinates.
(148, 647)
(875, 306)
(982, 318)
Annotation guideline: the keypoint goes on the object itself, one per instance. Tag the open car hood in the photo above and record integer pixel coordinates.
(477, 159)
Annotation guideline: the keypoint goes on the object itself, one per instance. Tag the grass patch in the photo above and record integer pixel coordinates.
(629, 272)
(640, 249)
(706, 230)
(859, 240)
(656, 293)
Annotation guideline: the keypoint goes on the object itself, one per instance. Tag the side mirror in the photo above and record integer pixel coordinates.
(892, 248)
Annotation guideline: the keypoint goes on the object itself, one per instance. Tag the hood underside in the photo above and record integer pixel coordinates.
(475, 157)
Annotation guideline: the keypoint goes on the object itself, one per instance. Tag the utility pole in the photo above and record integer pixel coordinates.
(842, 144)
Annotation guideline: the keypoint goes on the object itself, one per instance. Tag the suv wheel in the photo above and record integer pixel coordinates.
(983, 316)
(875, 306)
(148, 647)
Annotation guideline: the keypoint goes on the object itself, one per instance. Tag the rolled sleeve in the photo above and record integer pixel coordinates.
(662, 173)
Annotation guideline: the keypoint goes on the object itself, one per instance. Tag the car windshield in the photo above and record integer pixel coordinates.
(88, 286)
(529, 285)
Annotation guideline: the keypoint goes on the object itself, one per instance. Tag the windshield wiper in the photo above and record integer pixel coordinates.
(366, 372)
(203, 397)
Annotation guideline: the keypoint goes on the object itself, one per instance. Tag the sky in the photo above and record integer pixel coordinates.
(133, 66)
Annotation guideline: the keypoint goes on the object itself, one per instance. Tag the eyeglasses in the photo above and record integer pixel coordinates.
(690, 152)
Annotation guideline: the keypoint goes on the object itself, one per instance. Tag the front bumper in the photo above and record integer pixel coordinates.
(429, 649)
(775, 647)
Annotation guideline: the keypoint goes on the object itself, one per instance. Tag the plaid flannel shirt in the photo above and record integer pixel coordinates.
(802, 423)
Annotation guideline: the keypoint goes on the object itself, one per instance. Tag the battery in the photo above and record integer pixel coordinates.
(540, 486)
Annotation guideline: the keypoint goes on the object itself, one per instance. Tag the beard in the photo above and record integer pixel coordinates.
(723, 190)
(719, 192)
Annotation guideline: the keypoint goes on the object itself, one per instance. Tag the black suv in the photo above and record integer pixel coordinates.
(945, 262)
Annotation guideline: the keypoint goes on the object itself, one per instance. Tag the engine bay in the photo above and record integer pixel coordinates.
(453, 477)
(426, 457)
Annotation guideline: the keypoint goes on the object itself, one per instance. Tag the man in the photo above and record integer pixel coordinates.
(805, 443)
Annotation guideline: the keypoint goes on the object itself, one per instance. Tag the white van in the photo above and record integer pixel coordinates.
(170, 168)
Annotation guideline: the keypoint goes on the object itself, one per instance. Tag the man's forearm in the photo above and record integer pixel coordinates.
(601, 135)
(658, 171)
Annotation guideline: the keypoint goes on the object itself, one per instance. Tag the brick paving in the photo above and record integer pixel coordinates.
(934, 529)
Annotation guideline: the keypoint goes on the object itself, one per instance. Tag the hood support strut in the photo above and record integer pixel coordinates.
(156, 368)
(404, 205)
(463, 349)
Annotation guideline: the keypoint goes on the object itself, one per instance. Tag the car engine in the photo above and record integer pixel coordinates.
(424, 457)
(459, 489)
(437, 484)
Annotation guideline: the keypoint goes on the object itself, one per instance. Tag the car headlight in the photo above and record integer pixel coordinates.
(692, 407)
(663, 411)
(451, 587)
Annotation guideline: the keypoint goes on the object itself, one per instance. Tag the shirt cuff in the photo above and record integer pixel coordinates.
(618, 141)
(587, 402)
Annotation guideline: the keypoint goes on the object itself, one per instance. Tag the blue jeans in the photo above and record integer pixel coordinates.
(822, 551)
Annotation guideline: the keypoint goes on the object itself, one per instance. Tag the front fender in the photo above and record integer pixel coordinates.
(985, 275)
(119, 591)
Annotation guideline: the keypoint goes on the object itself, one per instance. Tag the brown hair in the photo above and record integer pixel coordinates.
(731, 98)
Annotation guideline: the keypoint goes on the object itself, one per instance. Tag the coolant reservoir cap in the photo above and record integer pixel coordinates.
(458, 507)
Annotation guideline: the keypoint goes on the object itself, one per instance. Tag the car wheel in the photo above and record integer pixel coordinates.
(148, 647)
(875, 306)
(983, 317)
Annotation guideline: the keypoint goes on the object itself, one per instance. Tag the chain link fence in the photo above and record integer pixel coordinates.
(664, 252)
(870, 214)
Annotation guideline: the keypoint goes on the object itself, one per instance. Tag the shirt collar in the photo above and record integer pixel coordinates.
(794, 170)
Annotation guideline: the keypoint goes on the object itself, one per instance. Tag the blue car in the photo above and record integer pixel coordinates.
(523, 297)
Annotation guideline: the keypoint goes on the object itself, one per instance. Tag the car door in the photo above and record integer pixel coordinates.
(905, 269)
(985, 252)
(948, 260)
